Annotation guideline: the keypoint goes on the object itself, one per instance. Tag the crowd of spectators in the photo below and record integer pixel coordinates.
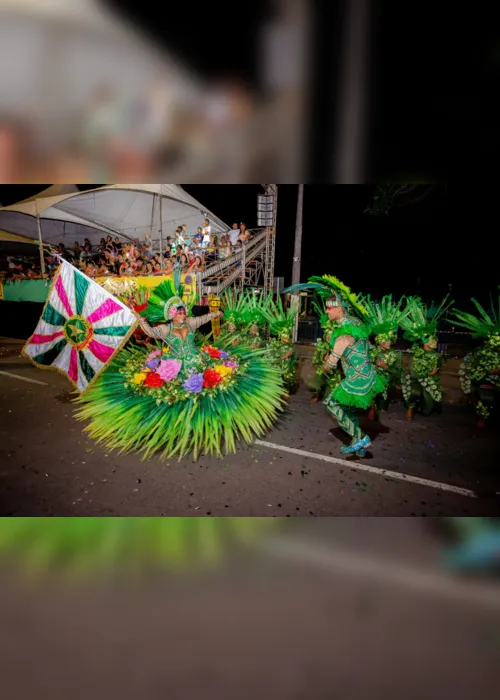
(185, 250)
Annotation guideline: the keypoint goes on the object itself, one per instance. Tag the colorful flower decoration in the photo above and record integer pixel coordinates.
(223, 370)
(153, 364)
(213, 352)
(211, 378)
(194, 384)
(139, 377)
(169, 369)
(153, 380)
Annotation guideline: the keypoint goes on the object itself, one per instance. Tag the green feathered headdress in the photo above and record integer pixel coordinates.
(240, 308)
(165, 297)
(384, 317)
(420, 322)
(483, 325)
(280, 319)
(329, 286)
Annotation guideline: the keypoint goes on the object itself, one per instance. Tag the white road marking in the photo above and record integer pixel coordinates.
(408, 478)
(359, 565)
(24, 379)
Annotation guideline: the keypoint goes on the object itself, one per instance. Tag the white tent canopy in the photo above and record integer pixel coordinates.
(127, 211)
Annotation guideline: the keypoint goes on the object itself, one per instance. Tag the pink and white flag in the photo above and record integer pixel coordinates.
(81, 328)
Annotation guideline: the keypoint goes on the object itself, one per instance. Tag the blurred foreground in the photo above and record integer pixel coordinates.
(324, 609)
(88, 96)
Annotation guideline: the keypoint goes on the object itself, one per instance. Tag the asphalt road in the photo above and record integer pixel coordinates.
(311, 618)
(49, 467)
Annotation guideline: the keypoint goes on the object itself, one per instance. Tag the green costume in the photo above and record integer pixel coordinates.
(182, 398)
(242, 319)
(349, 345)
(281, 323)
(480, 371)
(420, 382)
(384, 319)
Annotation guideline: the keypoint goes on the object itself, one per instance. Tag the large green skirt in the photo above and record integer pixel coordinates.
(120, 417)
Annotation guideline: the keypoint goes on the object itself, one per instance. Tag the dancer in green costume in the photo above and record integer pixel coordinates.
(480, 371)
(421, 382)
(349, 346)
(384, 318)
(281, 323)
(182, 398)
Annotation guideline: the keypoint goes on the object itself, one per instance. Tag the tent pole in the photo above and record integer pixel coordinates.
(40, 244)
(161, 232)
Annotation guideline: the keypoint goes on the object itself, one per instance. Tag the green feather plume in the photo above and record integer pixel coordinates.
(326, 286)
(481, 325)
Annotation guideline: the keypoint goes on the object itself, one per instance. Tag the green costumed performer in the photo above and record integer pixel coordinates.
(480, 371)
(281, 322)
(421, 382)
(238, 314)
(83, 547)
(181, 398)
(349, 345)
(384, 318)
(322, 383)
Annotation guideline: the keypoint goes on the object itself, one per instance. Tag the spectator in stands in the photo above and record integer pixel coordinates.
(234, 234)
(198, 238)
(187, 236)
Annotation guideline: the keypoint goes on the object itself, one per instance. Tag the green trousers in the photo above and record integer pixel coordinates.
(346, 418)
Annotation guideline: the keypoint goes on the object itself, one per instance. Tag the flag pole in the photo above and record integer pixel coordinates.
(40, 244)
(161, 232)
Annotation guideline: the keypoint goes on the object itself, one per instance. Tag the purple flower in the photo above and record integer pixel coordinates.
(230, 363)
(223, 354)
(153, 364)
(194, 384)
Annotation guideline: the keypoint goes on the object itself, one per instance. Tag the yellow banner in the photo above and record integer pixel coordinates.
(120, 285)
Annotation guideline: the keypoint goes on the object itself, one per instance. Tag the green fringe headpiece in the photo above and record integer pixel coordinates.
(239, 308)
(281, 320)
(333, 292)
(483, 325)
(384, 317)
(420, 322)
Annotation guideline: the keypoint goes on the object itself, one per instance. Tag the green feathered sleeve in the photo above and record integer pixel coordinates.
(354, 330)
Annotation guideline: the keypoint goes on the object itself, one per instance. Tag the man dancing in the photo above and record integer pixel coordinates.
(349, 346)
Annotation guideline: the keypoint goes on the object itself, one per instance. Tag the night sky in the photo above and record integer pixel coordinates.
(446, 239)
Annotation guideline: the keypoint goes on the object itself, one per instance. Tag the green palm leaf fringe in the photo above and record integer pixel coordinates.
(124, 420)
(83, 546)
(420, 321)
(384, 316)
(482, 324)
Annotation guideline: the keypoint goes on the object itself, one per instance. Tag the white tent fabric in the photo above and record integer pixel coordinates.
(129, 211)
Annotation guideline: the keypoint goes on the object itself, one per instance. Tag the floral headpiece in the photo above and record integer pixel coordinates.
(172, 307)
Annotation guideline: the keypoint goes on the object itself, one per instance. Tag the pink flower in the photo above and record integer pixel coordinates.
(169, 369)
(173, 312)
(155, 353)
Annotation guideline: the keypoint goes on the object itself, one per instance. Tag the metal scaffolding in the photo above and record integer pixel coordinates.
(251, 266)
(270, 249)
